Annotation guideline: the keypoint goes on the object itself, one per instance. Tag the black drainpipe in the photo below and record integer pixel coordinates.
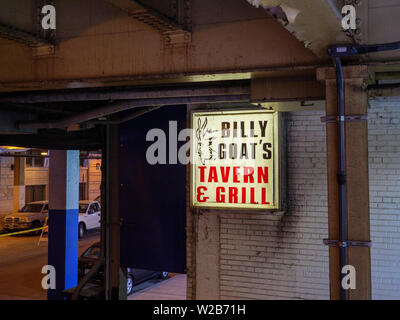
(336, 52)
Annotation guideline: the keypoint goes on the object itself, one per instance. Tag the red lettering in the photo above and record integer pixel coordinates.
(252, 196)
(225, 174)
(248, 174)
(202, 170)
(220, 195)
(236, 174)
(243, 195)
(200, 194)
(262, 175)
(233, 195)
(213, 177)
(264, 196)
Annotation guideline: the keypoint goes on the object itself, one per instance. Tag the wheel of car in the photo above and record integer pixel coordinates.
(81, 230)
(164, 275)
(129, 285)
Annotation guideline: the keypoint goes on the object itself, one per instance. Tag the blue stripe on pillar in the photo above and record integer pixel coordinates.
(71, 248)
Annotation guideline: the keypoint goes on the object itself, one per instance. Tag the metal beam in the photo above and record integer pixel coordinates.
(9, 118)
(126, 105)
(286, 89)
(148, 15)
(16, 155)
(125, 118)
(180, 78)
(79, 140)
(30, 107)
(24, 37)
(126, 93)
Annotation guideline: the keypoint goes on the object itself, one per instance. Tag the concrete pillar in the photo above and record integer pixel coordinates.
(207, 256)
(357, 184)
(63, 219)
(19, 183)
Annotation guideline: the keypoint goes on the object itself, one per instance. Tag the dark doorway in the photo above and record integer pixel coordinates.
(83, 191)
(153, 196)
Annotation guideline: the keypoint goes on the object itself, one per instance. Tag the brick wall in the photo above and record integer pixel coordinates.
(384, 175)
(264, 256)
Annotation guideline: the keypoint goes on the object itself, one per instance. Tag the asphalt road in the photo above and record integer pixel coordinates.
(21, 262)
(22, 258)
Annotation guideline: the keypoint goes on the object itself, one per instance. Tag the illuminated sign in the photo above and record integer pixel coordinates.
(236, 160)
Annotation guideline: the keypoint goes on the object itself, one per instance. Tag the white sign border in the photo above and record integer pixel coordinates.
(279, 183)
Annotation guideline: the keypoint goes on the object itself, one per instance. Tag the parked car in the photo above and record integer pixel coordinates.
(134, 276)
(89, 216)
(33, 215)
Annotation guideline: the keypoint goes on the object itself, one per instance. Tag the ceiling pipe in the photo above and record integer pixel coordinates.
(342, 169)
(126, 105)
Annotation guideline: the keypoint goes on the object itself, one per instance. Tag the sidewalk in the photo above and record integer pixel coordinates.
(173, 288)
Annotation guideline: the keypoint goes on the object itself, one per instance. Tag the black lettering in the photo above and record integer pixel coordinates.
(225, 132)
(263, 127)
(221, 151)
(267, 152)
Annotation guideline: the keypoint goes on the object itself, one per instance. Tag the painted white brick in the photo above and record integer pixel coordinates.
(272, 257)
(385, 219)
(289, 259)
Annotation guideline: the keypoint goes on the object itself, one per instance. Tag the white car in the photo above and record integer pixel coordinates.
(33, 215)
(89, 216)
